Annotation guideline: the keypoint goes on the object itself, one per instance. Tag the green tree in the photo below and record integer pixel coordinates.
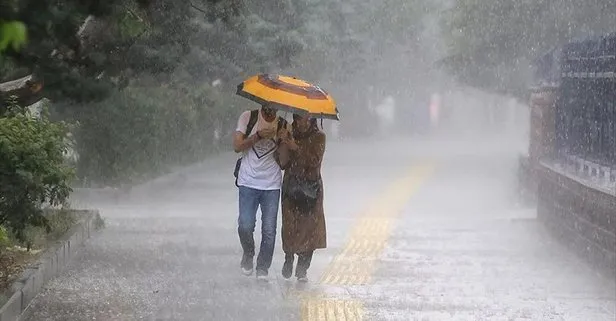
(33, 172)
(491, 43)
(137, 75)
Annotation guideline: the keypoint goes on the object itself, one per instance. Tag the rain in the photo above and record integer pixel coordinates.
(469, 166)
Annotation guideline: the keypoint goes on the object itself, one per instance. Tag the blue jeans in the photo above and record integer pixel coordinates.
(250, 200)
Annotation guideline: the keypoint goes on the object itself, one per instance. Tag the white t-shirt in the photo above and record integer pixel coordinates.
(259, 169)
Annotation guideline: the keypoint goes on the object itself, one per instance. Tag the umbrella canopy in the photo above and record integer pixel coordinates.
(289, 94)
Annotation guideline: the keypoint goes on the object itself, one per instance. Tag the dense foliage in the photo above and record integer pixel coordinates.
(493, 43)
(151, 82)
(33, 171)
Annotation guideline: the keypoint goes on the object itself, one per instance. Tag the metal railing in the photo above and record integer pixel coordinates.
(586, 106)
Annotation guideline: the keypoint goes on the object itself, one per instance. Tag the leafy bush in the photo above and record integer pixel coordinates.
(142, 131)
(12, 33)
(33, 172)
(4, 238)
(115, 140)
(99, 222)
(59, 222)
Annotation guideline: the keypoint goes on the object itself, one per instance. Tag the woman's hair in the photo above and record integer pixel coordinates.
(313, 122)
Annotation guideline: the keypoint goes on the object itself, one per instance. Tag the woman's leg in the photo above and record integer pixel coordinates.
(303, 263)
(287, 268)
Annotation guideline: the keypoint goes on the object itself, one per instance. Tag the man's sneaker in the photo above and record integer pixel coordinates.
(261, 275)
(247, 265)
(247, 272)
(302, 279)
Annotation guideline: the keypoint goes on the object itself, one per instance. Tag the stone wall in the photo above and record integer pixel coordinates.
(541, 141)
(582, 216)
(28, 91)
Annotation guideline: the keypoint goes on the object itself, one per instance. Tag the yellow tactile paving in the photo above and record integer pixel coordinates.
(357, 261)
(320, 309)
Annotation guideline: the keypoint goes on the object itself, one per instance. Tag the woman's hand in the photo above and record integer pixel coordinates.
(290, 143)
(283, 132)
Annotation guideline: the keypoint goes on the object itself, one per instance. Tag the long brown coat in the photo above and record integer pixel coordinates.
(301, 233)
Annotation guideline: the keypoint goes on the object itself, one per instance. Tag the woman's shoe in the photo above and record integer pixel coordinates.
(301, 274)
(287, 268)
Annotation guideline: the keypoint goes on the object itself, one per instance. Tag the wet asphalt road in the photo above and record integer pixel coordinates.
(417, 230)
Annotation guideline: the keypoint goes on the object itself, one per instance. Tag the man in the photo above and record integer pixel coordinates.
(259, 180)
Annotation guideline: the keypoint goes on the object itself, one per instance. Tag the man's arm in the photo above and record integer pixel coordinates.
(241, 144)
(240, 141)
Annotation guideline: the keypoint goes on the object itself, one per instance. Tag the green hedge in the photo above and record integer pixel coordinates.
(143, 131)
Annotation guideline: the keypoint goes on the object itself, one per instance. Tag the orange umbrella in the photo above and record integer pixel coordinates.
(289, 94)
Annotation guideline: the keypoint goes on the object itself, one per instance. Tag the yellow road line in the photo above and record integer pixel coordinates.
(358, 259)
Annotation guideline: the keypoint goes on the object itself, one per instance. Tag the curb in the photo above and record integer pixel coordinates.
(49, 265)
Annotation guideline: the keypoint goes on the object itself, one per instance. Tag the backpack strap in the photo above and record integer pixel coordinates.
(254, 115)
(281, 123)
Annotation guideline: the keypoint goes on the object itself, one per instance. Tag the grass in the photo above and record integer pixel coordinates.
(16, 255)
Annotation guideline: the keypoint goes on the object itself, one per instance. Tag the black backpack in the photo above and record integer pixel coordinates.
(254, 116)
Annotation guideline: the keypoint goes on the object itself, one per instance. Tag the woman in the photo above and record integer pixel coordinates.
(303, 220)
